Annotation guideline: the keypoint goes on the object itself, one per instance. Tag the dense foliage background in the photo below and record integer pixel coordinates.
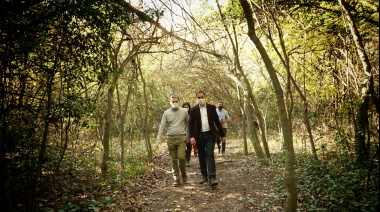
(84, 84)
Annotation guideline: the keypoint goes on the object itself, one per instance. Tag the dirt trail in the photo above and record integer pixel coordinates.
(243, 186)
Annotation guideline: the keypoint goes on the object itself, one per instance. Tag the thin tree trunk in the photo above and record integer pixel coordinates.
(146, 131)
(243, 123)
(253, 130)
(235, 48)
(110, 97)
(367, 88)
(37, 173)
(244, 134)
(262, 128)
(107, 126)
(122, 120)
(65, 142)
(289, 176)
(306, 120)
(284, 58)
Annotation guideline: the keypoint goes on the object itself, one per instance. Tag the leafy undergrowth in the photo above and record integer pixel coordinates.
(334, 183)
(331, 184)
(244, 185)
(80, 187)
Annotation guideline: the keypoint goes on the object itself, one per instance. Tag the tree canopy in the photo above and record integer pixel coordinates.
(84, 84)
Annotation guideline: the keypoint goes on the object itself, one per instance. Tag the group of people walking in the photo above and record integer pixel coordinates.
(198, 128)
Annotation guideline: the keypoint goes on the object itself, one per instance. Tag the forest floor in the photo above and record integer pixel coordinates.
(244, 185)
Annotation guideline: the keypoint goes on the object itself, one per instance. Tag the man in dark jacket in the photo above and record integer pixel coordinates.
(203, 131)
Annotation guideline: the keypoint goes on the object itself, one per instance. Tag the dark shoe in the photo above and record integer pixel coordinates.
(203, 180)
(176, 183)
(213, 182)
(219, 150)
(187, 163)
(184, 179)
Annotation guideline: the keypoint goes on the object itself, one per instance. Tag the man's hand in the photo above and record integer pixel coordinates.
(192, 141)
(222, 121)
(158, 144)
(223, 139)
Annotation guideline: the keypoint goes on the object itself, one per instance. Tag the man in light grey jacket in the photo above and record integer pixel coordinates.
(175, 119)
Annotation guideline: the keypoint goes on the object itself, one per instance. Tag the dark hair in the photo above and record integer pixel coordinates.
(186, 103)
(200, 91)
(175, 97)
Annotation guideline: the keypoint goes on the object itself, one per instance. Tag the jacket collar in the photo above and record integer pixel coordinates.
(203, 106)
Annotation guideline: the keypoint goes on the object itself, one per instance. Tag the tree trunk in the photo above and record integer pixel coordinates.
(367, 88)
(108, 124)
(289, 176)
(119, 68)
(64, 140)
(360, 131)
(306, 120)
(146, 128)
(244, 134)
(234, 44)
(262, 127)
(243, 123)
(252, 128)
(123, 114)
(49, 105)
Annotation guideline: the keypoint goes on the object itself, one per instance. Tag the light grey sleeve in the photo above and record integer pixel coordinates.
(187, 127)
(162, 126)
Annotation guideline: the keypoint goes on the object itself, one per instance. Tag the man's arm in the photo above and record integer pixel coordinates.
(161, 129)
(187, 128)
(191, 126)
(221, 132)
(218, 125)
(228, 119)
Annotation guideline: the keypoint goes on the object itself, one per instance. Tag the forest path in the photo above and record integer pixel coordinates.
(243, 186)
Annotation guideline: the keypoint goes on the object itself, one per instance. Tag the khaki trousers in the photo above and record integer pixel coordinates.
(177, 152)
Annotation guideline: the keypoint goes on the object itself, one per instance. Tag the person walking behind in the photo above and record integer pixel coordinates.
(204, 126)
(175, 119)
(189, 146)
(224, 119)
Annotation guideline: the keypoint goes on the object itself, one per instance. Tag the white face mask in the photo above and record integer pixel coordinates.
(175, 105)
(201, 102)
(186, 108)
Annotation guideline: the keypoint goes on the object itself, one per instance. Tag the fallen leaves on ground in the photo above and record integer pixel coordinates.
(243, 186)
